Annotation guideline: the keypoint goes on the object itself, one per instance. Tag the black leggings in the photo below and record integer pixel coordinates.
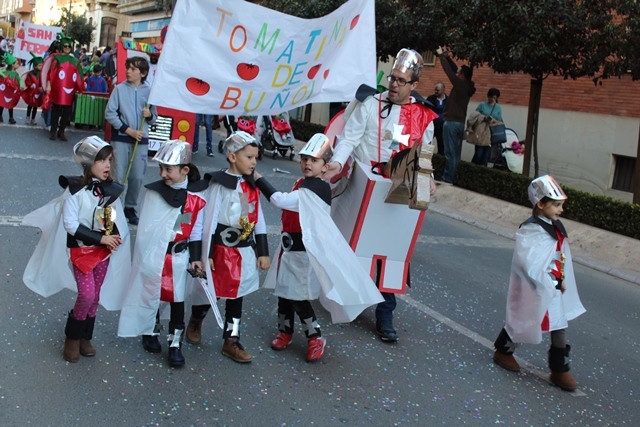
(31, 111)
(10, 112)
(286, 309)
(232, 310)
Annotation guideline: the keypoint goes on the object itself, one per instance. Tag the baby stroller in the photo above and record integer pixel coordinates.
(277, 136)
(508, 155)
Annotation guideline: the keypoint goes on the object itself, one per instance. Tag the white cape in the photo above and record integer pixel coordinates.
(532, 290)
(345, 287)
(49, 268)
(155, 231)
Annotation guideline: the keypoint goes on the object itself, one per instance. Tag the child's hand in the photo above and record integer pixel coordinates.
(563, 288)
(112, 242)
(256, 175)
(211, 266)
(264, 262)
(196, 270)
(146, 113)
(135, 134)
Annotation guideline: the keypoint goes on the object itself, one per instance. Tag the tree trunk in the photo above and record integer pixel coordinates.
(636, 175)
(531, 136)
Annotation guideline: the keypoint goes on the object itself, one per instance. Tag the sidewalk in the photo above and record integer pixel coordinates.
(602, 250)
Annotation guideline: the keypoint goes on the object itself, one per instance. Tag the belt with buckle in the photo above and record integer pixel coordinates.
(230, 236)
(291, 242)
(177, 247)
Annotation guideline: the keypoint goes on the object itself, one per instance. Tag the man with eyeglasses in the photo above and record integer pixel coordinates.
(455, 112)
(64, 79)
(377, 127)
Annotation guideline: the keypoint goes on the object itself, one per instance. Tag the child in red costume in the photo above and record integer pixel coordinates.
(33, 92)
(10, 85)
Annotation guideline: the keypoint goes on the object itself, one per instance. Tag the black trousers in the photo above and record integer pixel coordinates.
(60, 118)
(286, 310)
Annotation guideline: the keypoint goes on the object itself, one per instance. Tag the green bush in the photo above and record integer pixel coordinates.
(591, 209)
(303, 131)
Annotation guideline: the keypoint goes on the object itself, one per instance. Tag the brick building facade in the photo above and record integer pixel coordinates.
(588, 134)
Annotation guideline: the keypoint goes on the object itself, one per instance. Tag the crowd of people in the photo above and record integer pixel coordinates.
(203, 239)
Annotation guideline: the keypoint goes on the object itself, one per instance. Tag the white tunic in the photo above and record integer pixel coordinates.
(532, 289)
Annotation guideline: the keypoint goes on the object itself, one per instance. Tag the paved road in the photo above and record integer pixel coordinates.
(439, 372)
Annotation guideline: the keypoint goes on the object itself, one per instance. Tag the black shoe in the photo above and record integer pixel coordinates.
(386, 332)
(151, 343)
(12, 121)
(176, 359)
(131, 215)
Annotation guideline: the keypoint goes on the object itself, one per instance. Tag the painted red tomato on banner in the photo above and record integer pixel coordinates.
(197, 87)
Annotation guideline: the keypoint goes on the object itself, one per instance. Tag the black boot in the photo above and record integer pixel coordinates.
(176, 332)
(559, 365)
(74, 331)
(151, 343)
(86, 349)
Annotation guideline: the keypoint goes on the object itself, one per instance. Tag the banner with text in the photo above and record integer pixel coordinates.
(33, 38)
(222, 57)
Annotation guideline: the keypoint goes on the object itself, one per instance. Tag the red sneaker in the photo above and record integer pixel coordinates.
(282, 340)
(315, 348)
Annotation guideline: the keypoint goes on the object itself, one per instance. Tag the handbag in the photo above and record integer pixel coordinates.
(498, 133)
(46, 101)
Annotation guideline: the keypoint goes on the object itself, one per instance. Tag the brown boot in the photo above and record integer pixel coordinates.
(235, 351)
(564, 380)
(73, 331)
(506, 361)
(194, 330)
(62, 136)
(52, 135)
(559, 365)
(71, 351)
(86, 349)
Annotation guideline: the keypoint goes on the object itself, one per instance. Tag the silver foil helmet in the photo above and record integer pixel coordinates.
(545, 186)
(86, 150)
(408, 60)
(174, 152)
(319, 146)
(237, 141)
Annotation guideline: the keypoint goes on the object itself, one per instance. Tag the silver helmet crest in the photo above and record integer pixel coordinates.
(545, 186)
(237, 141)
(86, 150)
(174, 152)
(408, 60)
(319, 146)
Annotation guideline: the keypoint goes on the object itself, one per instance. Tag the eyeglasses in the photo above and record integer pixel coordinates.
(66, 45)
(401, 82)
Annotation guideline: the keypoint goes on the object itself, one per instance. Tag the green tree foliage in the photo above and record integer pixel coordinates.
(399, 23)
(76, 26)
